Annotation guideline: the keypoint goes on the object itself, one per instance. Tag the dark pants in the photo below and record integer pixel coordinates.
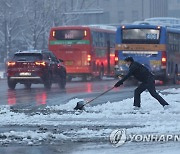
(150, 86)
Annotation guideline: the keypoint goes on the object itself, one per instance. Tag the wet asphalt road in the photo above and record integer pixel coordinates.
(37, 95)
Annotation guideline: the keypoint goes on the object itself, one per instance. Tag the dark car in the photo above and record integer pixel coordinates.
(33, 67)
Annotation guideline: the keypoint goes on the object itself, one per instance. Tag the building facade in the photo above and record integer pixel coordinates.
(174, 8)
(119, 11)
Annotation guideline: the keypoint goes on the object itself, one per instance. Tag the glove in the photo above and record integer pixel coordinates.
(118, 84)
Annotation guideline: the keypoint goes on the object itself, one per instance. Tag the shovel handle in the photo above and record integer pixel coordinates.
(98, 96)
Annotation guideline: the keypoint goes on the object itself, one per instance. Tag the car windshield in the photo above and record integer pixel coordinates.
(27, 57)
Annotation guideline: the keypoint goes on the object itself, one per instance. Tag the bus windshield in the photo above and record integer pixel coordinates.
(140, 36)
(68, 34)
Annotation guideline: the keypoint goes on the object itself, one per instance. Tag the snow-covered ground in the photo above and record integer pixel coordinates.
(96, 124)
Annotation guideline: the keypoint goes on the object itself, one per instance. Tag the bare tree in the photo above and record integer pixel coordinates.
(41, 15)
(37, 15)
(26, 23)
(10, 18)
(66, 12)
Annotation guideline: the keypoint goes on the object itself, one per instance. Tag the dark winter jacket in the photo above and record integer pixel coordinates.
(140, 72)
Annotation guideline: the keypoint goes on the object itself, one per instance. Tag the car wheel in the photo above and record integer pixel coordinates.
(48, 81)
(27, 85)
(11, 84)
(62, 81)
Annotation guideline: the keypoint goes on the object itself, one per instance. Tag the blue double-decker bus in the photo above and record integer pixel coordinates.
(156, 47)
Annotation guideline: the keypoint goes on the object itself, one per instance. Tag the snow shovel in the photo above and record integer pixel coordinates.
(80, 105)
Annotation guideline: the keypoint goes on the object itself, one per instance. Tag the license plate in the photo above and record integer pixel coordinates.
(25, 74)
(69, 63)
(155, 62)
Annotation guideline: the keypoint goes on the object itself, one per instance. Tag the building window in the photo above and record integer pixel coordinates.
(134, 15)
(106, 18)
(121, 16)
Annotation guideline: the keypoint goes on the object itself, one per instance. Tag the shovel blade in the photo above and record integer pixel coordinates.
(80, 106)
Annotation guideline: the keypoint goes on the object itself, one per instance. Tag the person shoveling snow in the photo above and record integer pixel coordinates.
(142, 74)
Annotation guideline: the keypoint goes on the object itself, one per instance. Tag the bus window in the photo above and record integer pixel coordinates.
(169, 66)
(112, 40)
(101, 39)
(106, 39)
(172, 67)
(95, 38)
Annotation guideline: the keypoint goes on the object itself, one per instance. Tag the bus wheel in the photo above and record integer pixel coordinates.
(91, 78)
(101, 74)
(175, 79)
(84, 78)
(165, 81)
(69, 78)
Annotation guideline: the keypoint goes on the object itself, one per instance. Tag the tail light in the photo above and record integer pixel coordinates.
(116, 59)
(85, 33)
(11, 63)
(163, 59)
(40, 63)
(53, 33)
(89, 58)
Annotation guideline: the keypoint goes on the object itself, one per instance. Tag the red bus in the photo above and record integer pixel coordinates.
(87, 51)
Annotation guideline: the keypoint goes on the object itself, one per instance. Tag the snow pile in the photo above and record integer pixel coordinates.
(98, 121)
(68, 106)
(30, 137)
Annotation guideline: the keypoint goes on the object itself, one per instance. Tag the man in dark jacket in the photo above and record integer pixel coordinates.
(142, 74)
